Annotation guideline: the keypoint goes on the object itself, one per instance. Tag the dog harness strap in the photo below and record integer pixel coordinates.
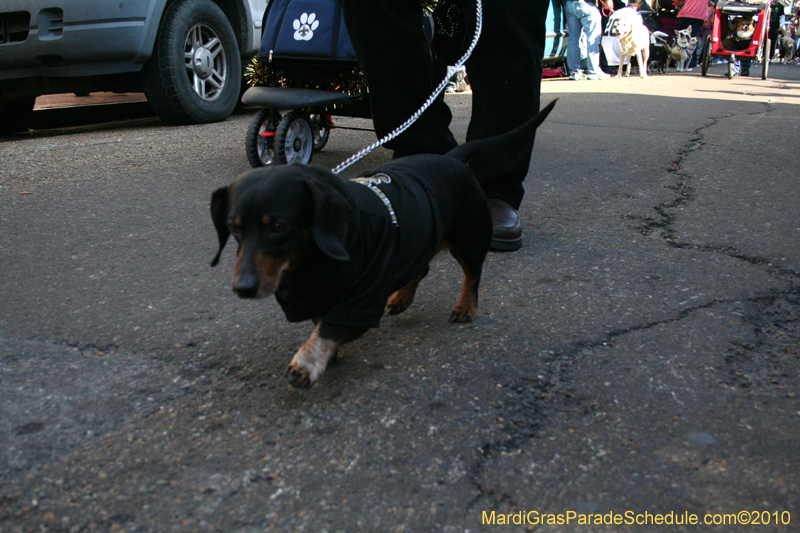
(371, 183)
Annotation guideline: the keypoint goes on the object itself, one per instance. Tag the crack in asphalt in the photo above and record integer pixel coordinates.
(527, 411)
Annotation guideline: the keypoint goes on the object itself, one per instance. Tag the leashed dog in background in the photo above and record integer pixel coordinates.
(786, 45)
(344, 252)
(684, 47)
(634, 39)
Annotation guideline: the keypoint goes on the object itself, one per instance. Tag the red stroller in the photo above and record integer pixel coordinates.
(722, 44)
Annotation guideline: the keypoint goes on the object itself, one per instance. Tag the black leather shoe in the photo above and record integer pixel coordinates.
(506, 227)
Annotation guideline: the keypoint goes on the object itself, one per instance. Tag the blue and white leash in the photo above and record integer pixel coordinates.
(407, 124)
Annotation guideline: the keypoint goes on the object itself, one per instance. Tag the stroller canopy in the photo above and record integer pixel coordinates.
(742, 6)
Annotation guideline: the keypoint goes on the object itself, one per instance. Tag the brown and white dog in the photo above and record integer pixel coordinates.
(634, 39)
(742, 30)
(786, 45)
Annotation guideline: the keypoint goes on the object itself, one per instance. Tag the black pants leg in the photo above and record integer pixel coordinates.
(773, 40)
(389, 41)
(504, 70)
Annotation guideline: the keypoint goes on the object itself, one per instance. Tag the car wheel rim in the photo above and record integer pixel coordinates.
(206, 65)
(299, 142)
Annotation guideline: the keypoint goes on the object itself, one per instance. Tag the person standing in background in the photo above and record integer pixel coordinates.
(583, 19)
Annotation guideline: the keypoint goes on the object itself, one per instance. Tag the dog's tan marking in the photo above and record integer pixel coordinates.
(271, 270)
(402, 299)
(467, 306)
(266, 220)
(237, 221)
(311, 360)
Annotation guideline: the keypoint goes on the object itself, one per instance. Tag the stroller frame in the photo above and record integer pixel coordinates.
(293, 123)
(724, 12)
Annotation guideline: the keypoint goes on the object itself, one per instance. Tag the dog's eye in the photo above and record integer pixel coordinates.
(279, 227)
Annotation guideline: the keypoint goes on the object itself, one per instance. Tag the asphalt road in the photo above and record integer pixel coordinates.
(638, 357)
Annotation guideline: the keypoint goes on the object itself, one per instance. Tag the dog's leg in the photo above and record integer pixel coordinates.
(313, 357)
(641, 58)
(471, 258)
(467, 306)
(468, 241)
(621, 61)
(628, 57)
(402, 299)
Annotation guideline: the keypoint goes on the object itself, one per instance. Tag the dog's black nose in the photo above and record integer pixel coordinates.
(246, 286)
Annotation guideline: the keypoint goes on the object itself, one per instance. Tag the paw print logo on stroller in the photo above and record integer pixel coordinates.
(304, 27)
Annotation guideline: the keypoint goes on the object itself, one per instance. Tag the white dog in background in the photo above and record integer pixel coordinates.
(634, 39)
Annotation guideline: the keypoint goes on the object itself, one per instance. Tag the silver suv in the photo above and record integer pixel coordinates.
(186, 55)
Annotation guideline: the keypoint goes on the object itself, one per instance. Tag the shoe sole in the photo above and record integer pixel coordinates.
(506, 245)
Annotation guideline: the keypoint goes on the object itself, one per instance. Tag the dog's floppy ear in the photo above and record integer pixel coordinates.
(329, 218)
(219, 214)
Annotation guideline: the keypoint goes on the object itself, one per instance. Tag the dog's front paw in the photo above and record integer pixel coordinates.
(310, 361)
(399, 302)
(403, 298)
(464, 313)
(299, 376)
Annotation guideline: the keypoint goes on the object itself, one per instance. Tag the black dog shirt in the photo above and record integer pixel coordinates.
(399, 229)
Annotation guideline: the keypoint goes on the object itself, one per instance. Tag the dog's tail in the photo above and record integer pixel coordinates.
(470, 150)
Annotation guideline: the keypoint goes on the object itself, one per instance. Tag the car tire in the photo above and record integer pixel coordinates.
(194, 75)
(16, 114)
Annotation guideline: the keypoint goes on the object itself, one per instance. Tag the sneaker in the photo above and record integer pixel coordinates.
(598, 76)
(577, 75)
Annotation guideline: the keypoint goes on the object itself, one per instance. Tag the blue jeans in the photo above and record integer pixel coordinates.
(583, 17)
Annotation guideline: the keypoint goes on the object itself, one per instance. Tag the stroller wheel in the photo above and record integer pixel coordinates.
(321, 127)
(705, 58)
(260, 142)
(294, 140)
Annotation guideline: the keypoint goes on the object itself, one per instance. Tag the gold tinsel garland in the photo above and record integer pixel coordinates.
(260, 73)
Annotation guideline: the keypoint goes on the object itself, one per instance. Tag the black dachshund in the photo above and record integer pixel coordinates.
(344, 252)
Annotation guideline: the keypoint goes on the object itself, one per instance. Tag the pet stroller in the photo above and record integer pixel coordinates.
(722, 45)
(306, 71)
